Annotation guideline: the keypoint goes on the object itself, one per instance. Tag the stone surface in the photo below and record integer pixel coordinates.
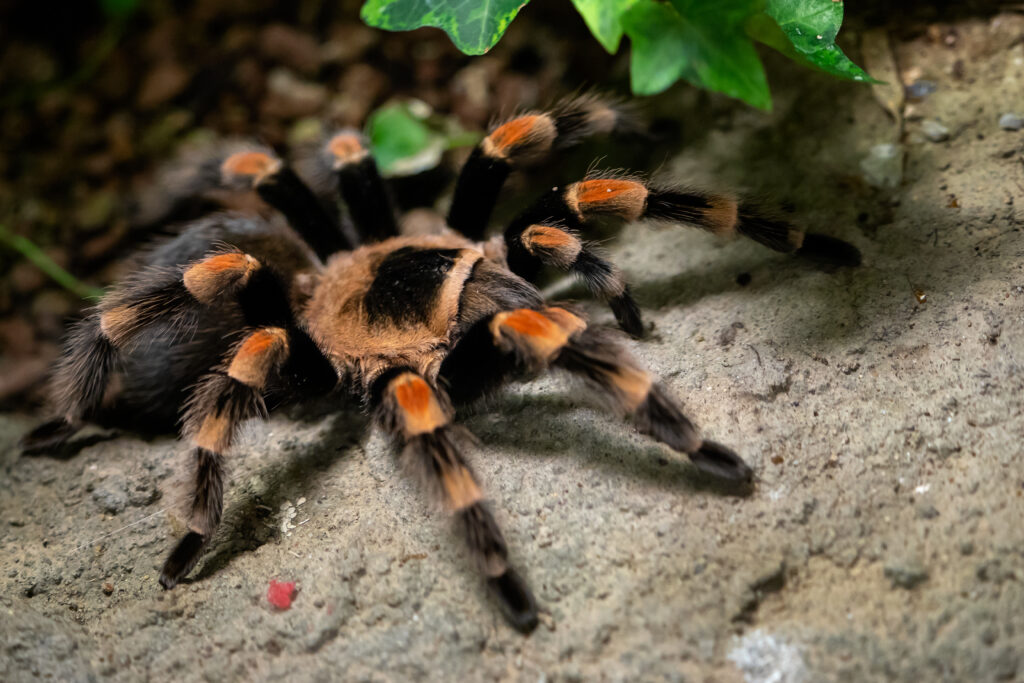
(1011, 121)
(881, 428)
(883, 166)
(934, 130)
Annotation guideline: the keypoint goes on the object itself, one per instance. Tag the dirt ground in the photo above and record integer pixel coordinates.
(882, 409)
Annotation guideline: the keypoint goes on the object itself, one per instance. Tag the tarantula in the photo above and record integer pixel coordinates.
(240, 307)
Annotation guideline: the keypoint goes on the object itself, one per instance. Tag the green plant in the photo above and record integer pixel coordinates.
(37, 256)
(406, 137)
(709, 43)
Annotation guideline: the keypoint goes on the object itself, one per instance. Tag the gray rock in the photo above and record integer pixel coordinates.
(934, 131)
(906, 573)
(112, 494)
(883, 167)
(36, 647)
(1010, 121)
(920, 89)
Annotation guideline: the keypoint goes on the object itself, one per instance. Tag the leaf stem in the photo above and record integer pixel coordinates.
(38, 257)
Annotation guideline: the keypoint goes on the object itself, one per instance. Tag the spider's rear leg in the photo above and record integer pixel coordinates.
(528, 341)
(241, 168)
(156, 294)
(78, 386)
(543, 234)
(278, 185)
(92, 350)
(418, 418)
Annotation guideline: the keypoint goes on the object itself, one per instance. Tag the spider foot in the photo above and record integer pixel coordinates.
(516, 600)
(182, 559)
(716, 459)
(47, 436)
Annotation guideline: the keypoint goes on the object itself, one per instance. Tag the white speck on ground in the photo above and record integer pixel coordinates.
(767, 658)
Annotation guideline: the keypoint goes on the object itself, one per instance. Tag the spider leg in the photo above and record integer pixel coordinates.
(197, 183)
(278, 185)
(220, 403)
(78, 385)
(520, 141)
(158, 293)
(544, 233)
(344, 167)
(537, 245)
(528, 341)
(419, 418)
(82, 375)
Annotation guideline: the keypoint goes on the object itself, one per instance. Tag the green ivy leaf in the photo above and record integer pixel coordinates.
(473, 25)
(657, 34)
(603, 18)
(397, 134)
(705, 43)
(407, 138)
(805, 31)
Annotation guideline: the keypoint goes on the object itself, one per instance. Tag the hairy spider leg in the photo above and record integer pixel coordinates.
(91, 351)
(360, 186)
(172, 294)
(278, 185)
(220, 403)
(419, 419)
(547, 233)
(521, 141)
(528, 341)
(234, 393)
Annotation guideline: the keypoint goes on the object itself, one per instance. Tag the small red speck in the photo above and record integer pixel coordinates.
(280, 593)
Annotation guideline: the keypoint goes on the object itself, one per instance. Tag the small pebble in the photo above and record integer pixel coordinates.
(883, 167)
(905, 573)
(1010, 121)
(108, 588)
(934, 131)
(920, 89)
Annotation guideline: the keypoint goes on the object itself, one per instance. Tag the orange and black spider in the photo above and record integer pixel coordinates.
(239, 307)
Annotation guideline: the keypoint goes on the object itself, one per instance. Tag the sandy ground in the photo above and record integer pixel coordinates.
(882, 409)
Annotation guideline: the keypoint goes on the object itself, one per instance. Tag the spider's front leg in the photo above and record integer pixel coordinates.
(526, 341)
(418, 417)
(221, 402)
(547, 233)
(234, 393)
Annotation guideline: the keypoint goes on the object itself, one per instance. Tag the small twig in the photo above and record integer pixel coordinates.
(37, 256)
(117, 531)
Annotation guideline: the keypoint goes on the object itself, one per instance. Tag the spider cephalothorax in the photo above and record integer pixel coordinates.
(239, 307)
